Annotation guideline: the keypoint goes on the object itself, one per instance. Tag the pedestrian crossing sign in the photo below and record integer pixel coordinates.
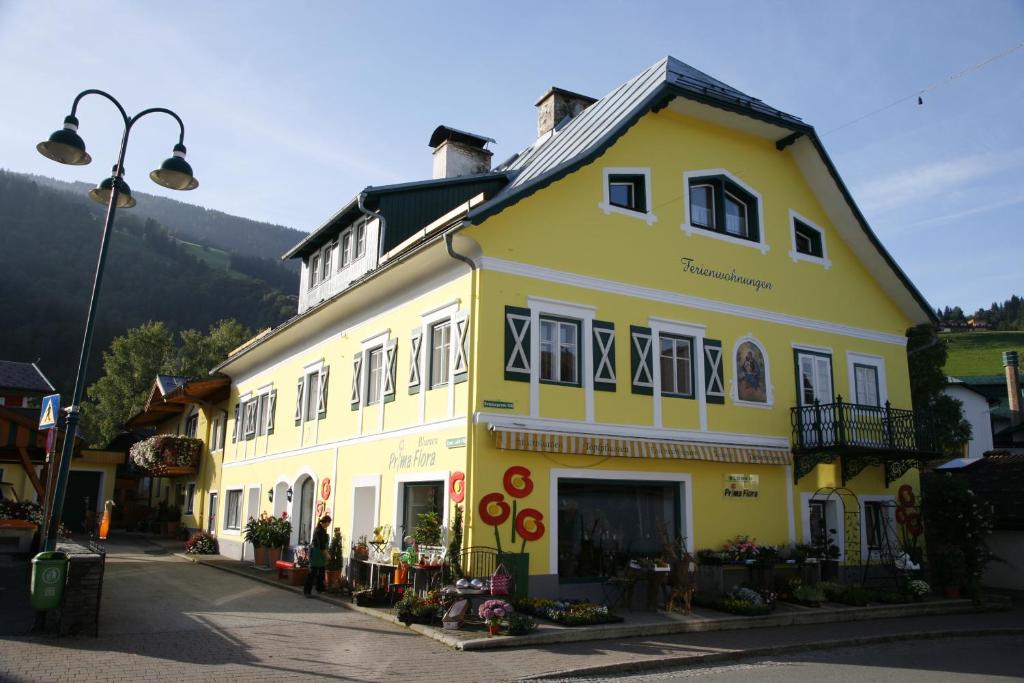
(48, 413)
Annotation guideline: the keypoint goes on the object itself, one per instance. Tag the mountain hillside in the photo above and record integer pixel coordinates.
(980, 353)
(49, 243)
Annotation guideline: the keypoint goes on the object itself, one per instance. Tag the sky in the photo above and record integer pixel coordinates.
(291, 108)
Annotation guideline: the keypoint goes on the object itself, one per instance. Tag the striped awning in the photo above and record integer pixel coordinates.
(514, 439)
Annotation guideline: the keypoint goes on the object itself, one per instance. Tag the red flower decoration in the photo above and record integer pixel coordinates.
(905, 494)
(485, 509)
(517, 481)
(525, 532)
(325, 488)
(457, 487)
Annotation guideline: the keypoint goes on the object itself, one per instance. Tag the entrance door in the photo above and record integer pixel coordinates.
(814, 385)
(306, 496)
(82, 501)
(419, 498)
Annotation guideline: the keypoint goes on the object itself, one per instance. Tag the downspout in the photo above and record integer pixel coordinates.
(383, 224)
(449, 236)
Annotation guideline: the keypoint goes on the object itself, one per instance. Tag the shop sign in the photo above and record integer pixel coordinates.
(740, 486)
(458, 442)
(409, 456)
(689, 266)
(504, 405)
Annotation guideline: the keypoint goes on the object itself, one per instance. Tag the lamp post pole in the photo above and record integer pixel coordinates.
(66, 147)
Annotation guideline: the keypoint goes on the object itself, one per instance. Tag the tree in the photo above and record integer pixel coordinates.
(133, 362)
(926, 356)
(129, 367)
(198, 353)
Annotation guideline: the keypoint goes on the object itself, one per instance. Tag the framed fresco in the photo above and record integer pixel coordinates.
(751, 381)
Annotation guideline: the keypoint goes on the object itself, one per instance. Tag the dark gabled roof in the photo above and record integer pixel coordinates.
(25, 377)
(452, 188)
(168, 383)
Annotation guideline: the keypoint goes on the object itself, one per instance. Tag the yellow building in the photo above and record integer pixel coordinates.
(665, 318)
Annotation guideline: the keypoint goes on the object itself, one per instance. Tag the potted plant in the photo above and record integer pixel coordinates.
(828, 553)
(493, 611)
(332, 570)
(428, 529)
(201, 543)
(361, 548)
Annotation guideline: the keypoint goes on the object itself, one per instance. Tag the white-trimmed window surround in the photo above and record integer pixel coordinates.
(719, 205)
(807, 240)
(662, 327)
(442, 358)
(676, 365)
(581, 315)
(560, 351)
(867, 379)
(374, 376)
(627, 191)
(352, 245)
(233, 510)
(878, 518)
(736, 365)
(440, 353)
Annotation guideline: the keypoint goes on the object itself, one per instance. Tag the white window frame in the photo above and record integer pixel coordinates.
(444, 379)
(192, 415)
(690, 229)
(734, 387)
(190, 498)
(420, 477)
(351, 244)
(605, 205)
(854, 358)
(262, 398)
(890, 510)
(370, 379)
(696, 333)
(712, 208)
(227, 497)
(556, 362)
(677, 340)
(823, 260)
(835, 514)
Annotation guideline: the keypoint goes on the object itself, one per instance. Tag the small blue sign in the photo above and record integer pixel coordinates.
(49, 412)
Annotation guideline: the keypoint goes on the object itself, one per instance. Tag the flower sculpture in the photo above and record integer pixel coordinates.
(494, 510)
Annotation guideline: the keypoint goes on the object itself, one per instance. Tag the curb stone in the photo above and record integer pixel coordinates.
(674, 661)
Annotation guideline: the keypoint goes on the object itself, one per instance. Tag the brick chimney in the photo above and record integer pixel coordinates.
(458, 153)
(1012, 386)
(556, 105)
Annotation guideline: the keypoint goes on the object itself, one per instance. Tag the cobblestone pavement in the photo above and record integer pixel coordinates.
(167, 619)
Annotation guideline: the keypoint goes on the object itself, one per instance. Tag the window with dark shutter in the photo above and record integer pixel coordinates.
(714, 379)
(604, 355)
(391, 369)
(356, 396)
(641, 359)
(415, 341)
(517, 344)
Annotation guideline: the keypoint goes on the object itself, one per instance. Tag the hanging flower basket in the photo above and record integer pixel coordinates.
(166, 455)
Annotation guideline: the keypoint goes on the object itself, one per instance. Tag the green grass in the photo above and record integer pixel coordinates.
(215, 258)
(980, 353)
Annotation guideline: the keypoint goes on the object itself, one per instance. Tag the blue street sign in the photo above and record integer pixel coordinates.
(49, 412)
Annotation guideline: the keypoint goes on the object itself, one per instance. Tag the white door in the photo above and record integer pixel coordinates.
(814, 383)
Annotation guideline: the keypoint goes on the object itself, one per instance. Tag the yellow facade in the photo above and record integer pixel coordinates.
(740, 315)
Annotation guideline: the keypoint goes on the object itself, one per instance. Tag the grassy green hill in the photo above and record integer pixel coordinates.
(980, 353)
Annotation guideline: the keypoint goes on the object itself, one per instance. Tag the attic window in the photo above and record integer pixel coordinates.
(719, 205)
(808, 241)
(627, 191)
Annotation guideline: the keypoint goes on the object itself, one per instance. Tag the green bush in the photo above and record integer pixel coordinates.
(812, 596)
(520, 624)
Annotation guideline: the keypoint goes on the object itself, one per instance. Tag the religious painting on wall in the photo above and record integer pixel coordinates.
(750, 374)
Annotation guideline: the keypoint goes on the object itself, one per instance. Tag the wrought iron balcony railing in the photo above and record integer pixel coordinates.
(852, 428)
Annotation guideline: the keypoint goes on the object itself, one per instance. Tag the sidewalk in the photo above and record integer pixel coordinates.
(648, 640)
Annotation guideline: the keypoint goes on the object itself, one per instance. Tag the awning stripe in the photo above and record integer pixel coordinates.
(589, 444)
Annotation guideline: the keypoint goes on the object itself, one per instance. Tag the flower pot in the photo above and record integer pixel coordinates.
(260, 556)
(951, 592)
(273, 555)
(332, 579)
(297, 576)
(493, 629)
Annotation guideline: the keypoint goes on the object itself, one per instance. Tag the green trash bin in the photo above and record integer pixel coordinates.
(49, 572)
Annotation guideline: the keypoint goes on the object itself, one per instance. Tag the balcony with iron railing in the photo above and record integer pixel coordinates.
(861, 435)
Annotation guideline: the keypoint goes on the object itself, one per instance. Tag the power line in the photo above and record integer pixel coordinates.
(934, 86)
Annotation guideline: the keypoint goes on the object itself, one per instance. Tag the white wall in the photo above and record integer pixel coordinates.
(976, 411)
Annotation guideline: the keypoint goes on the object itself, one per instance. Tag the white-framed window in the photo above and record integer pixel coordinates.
(440, 352)
(676, 365)
(217, 433)
(249, 419)
(233, 510)
(311, 395)
(878, 530)
(718, 204)
(360, 240)
(627, 191)
(345, 256)
(190, 497)
(192, 425)
(374, 363)
(352, 245)
(559, 350)
(867, 379)
(808, 241)
(314, 270)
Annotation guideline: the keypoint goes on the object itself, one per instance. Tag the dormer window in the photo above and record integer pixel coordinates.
(320, 265)
(314, 270)
(353, 245)
(627, 191)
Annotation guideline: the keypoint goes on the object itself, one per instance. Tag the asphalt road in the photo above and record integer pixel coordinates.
(924, 661)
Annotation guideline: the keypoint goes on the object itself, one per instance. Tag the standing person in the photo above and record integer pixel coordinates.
(318, 556)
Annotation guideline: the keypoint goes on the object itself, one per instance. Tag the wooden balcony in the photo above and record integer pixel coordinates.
(860, 436)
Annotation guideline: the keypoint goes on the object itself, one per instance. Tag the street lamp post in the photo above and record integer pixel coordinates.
(65, 146)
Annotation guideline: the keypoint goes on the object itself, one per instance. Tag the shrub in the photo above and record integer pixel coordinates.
(812, 596)
(336, 559)
(202, 543)
(955, 517)
(520, 624)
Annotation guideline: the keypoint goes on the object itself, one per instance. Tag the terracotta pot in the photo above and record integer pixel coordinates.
(273, 555)
(259, 556)
(297, 576)
(332, 579)
(493, 629)
(951, 592)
